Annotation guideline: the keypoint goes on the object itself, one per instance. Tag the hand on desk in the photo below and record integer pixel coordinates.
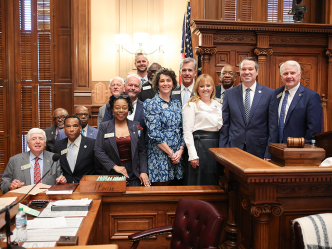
(145, 179)
(267, 159)
(61, 179)
(122, 170)
(15, 184)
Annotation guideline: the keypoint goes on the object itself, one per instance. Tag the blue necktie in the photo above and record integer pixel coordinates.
(185, 96)
(282, 117)
(247, 104)
(82, 132)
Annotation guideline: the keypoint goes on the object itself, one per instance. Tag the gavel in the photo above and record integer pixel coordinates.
(295, 142)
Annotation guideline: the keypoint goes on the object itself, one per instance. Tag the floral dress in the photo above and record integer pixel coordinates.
(164, 124)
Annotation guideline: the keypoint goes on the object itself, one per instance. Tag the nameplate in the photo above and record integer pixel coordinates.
(26, 166)
(107, 135)
(279, 95)
(176, 92)
(146, 87)
(64, 151)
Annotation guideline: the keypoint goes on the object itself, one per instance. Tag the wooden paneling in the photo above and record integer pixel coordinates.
(63, 97)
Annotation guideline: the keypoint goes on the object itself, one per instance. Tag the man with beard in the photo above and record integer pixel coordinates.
(227, 78)
(132, 89)
(116, 88)
(87, 131)
(141, 64)
(53, 131)
(147, 91)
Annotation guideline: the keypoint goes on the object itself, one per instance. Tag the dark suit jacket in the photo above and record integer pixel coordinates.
(91, 133)
(50, 137)
(218, 91)
(85, 162)
(176, 94)
(148, 93)
(106, 149)
(262, 126)
(139, 114)
(304, 115)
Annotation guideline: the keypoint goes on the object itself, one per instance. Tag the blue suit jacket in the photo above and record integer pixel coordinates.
(106, 149)
(262, 126)
(304, 116)
(139, 114)
(177, 95)
(92, 133)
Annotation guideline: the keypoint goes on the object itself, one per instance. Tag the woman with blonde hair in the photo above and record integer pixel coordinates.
(202, 120)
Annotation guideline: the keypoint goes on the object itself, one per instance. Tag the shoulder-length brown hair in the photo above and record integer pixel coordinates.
(167, 72)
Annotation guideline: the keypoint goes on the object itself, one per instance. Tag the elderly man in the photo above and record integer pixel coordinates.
(87, 131)
(141, 64)
(249, 114)
(116, 88)
(299, 108)
(188, 73)
(77, 152)
(147, 92)
(227, 78)
(29, 167)
(132, 89)
(53, 131)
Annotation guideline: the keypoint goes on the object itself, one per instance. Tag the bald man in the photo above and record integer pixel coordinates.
(83, 113)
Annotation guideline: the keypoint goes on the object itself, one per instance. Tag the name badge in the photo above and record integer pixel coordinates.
(279, 95)
(146, 87)
(176, 92)
(64, 151)
(107, 135)
(26, 166)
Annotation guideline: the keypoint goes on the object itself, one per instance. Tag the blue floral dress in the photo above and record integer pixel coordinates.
(164, 124)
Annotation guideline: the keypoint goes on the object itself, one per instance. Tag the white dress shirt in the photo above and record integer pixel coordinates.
(204, 117)
(252, 92)
(77, 144)
(291, 95)
(190, 90)
(131, 116)
(32, 163)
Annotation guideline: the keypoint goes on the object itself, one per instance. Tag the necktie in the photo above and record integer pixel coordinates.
(71, 157)
(82, 132)
(37, 174)
(142, 81)
(185, 96)
(282, 117)
(247, 104)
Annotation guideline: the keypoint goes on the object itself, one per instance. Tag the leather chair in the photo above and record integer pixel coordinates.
(197, 224)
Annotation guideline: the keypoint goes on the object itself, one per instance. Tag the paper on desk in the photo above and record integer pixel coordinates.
(72, 203)
(25, 189)
(46, 234)
(59, 192)
(39, 244)
(74, 222)
(5, 201)
(47, 212)
(42, 223)
(29, 210)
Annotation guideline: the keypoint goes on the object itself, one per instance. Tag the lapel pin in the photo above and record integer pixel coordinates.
(85, 146)
(300, 94)
(48, 161)
(52, 132)
(259, 91)
(134, 132)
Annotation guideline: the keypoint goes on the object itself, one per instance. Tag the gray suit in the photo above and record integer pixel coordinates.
(13, 170)
(101, 113)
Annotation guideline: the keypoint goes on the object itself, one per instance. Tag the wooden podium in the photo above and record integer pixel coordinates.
(264, 198)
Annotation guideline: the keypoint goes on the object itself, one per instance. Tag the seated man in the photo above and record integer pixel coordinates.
(77, 152)
(88, 131)
(29, 167)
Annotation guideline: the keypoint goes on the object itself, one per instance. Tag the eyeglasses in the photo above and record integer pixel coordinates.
(230, 73)
(58, 118)
(82, 114)
(120, 95)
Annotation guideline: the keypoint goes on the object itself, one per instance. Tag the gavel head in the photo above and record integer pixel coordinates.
(295, 142)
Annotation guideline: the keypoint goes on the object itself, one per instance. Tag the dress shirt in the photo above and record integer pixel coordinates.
(190, 90)
(222, 91)
(145, 79)
(204, 117)
(252, 93)
(131, 116)
(291, 95)
(77, 143)
(32, 162)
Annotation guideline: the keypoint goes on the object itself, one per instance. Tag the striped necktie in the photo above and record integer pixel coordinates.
(247, 105)
(282, 117)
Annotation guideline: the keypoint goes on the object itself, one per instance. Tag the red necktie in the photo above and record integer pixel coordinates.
(37, 174)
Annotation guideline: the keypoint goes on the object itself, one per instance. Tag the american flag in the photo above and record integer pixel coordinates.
(186, 45)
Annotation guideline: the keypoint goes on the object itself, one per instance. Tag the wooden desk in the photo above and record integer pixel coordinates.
(264, 198)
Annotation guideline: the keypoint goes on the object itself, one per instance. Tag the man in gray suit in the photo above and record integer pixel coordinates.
(188, 73)
(29, 167)
(116, 88)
